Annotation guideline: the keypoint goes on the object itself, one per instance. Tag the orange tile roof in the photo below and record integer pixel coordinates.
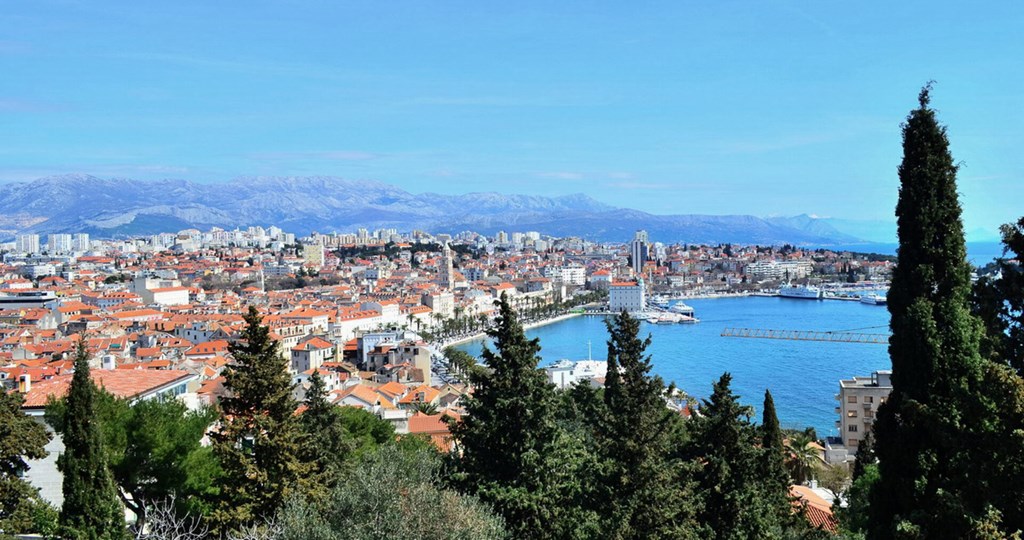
(121, 383)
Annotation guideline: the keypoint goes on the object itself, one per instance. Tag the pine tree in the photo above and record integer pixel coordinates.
(91, 509)
(927, 433)
(21, 438)
(329, 445)
(509, 438)
(260, 443)
(731, 492)
(640, 494)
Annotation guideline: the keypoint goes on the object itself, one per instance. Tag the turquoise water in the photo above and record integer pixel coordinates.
(803, 376)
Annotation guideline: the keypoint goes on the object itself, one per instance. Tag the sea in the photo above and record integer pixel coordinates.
(803, 376)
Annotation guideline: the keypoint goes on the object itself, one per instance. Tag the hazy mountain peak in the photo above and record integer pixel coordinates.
(300, 204)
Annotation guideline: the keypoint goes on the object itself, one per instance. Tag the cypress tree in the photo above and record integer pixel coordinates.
(773, 457)
(91, 509)
(260, 444)
(865, 455)
(932, 482)
(509, 438)
(640, 495)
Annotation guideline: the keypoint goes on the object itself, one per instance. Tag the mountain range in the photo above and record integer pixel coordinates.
(117, 207)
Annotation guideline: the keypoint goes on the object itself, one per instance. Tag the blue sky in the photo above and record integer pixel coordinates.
(752, 107)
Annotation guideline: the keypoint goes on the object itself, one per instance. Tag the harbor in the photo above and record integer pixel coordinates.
(802, 375)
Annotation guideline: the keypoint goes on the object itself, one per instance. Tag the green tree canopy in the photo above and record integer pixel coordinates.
(640, 488)
(393, 492)
(153, 450)
(91, 508)
(260, 443)
(513, 454)
(931, 428)
(21, 439)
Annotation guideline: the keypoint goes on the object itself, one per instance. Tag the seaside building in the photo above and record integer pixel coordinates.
(859, 399)
(627, 295)
(565, 373)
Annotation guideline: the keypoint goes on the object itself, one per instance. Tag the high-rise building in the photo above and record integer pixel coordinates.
(638, 251)
(58, 243)
(80, 242)
(27, 243)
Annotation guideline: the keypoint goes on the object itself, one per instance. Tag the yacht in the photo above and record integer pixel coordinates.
(796, 291)
(873, 299)
(681, 309)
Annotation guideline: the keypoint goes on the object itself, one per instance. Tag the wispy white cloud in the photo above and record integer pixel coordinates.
(324, 155)
(561, 175)
(15, 105)
(639, 186)
(621, 175)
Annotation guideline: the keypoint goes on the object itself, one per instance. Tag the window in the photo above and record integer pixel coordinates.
(852, 428)
(869, 414)
(851, 399)
(851, 414)
(869, 399)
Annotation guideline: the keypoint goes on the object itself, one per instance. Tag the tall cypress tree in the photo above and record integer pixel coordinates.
(260, 444)
(931, 479)
(509, 438)
(91, 509)
(773, 458)
(641, 497)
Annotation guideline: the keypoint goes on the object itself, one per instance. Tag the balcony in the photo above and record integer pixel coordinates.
(839, 410)
(839, 423)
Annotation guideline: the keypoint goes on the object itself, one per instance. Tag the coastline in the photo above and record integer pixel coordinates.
(527, 326)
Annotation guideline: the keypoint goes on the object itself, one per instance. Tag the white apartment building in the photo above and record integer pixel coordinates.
(569, 275)
(859, 399)
(58, 243)
(776, 270)
(27, 243)
(80, 242)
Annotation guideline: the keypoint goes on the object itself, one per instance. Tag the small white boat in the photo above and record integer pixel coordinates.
(873, 300)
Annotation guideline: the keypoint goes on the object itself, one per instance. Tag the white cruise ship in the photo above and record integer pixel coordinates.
(797, 291)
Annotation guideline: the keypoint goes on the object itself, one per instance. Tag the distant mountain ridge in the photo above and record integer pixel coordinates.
(120, 206)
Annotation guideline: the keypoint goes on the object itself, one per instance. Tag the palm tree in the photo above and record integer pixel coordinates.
(424, 407)
(803, 459)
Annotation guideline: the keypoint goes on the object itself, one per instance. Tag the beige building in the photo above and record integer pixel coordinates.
(859, 399)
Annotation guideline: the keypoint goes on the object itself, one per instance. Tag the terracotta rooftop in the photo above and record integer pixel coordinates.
(121, 383)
